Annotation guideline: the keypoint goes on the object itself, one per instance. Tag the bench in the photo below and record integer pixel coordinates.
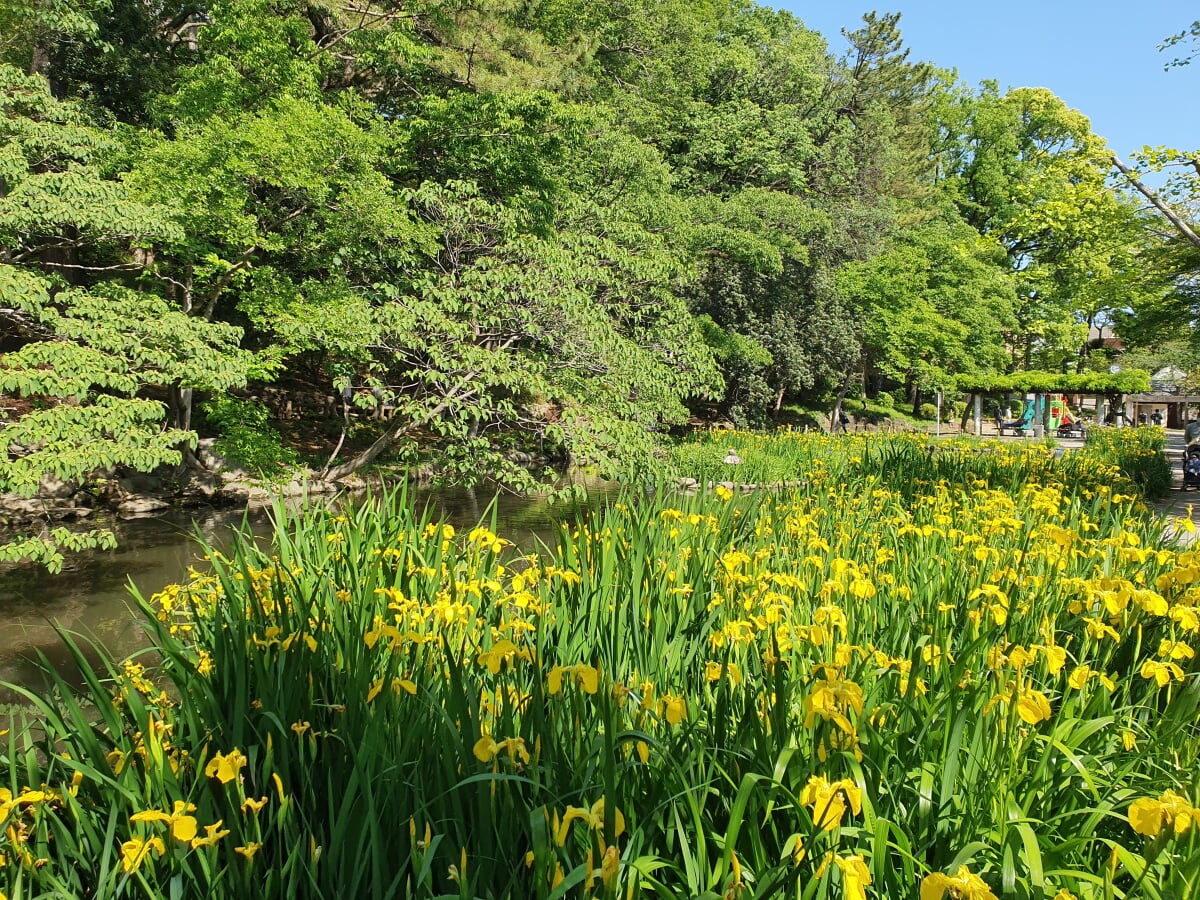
(1074, 430)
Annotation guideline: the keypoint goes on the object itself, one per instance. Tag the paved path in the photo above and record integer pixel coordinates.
(1178, 501)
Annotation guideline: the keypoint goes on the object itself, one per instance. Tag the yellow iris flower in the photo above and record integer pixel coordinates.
(182, 824)
(135, 851)
(828, 800)
(1149, 816)
(226, 766)
(962, 885)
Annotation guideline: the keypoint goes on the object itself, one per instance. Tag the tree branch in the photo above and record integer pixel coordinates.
(1158, 203)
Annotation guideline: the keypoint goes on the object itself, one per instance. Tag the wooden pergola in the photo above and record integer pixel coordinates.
(1176, 405)
(1117, 386)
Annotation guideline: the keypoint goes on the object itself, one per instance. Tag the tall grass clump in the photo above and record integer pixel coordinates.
(913, 676)
(1138, 453)
(781, 456)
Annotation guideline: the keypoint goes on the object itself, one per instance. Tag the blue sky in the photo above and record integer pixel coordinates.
(1100, 57)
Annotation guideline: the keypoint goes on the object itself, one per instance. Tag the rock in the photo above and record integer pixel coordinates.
(353, 483)
(213, 461)
(243, 492)
(140, 483)
(297, 487)
(141, 506)
(205, 484)
(54, 488)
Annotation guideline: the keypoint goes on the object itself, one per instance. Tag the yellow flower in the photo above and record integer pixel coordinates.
(213, 833)
(963, 885)
(494, 657)
(831, 699)
(583, 675)
(182, 825)
(675, 707)
(486, 749)
(1056, 658)
(1033, 707)
(1149, 817)
(253, 806)
(855, 876)
(828, 800)
(1176, 650)
(610, 866)
(249, 850)
(373, 691)
(225, 767)
(1162, 673)
(593, 818)
(135, 851)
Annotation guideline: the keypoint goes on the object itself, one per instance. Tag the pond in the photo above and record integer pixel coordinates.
(91, 597)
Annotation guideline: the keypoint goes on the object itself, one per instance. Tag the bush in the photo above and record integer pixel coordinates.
(245, 436)
(885, 400)
(1138, 453)
(928, 411)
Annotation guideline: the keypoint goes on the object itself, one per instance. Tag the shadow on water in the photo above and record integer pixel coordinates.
(91, 598)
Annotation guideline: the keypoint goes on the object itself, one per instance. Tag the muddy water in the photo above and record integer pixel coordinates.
(91, 597)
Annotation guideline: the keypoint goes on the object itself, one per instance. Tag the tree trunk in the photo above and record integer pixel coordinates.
(368, 456)
(399, 430)
(40, 62)
(181, 407)
(968, 414)
(835, 418)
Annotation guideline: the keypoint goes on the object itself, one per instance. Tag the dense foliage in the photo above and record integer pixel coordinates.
(557, 230)
(786, 694)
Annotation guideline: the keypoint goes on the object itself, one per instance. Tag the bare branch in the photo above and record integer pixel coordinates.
(1171, 216)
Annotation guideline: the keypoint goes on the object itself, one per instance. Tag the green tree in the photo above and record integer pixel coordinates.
(1027, 171)
(936, 304)
(87, 346)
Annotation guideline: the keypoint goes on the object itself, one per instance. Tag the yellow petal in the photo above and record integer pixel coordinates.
(485, 749)
(1145, 816)
(183, 828)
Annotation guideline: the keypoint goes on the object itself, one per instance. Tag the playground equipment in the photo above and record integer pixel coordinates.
(1060, 421)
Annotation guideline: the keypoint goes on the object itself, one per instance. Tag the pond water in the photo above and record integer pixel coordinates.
(91, 598)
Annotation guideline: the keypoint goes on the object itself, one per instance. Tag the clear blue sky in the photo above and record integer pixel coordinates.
(1101, 57)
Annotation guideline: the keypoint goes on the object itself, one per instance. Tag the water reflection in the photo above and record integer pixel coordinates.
(91, 596)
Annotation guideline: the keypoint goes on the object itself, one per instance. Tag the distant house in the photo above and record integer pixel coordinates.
(1103, 337)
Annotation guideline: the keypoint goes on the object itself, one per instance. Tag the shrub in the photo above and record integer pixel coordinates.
(1138, 453)
(245, 436)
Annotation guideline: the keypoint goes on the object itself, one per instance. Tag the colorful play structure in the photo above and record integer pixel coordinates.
(1033, 409)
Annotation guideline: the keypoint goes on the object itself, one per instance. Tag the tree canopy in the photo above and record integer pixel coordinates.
(564, 227)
